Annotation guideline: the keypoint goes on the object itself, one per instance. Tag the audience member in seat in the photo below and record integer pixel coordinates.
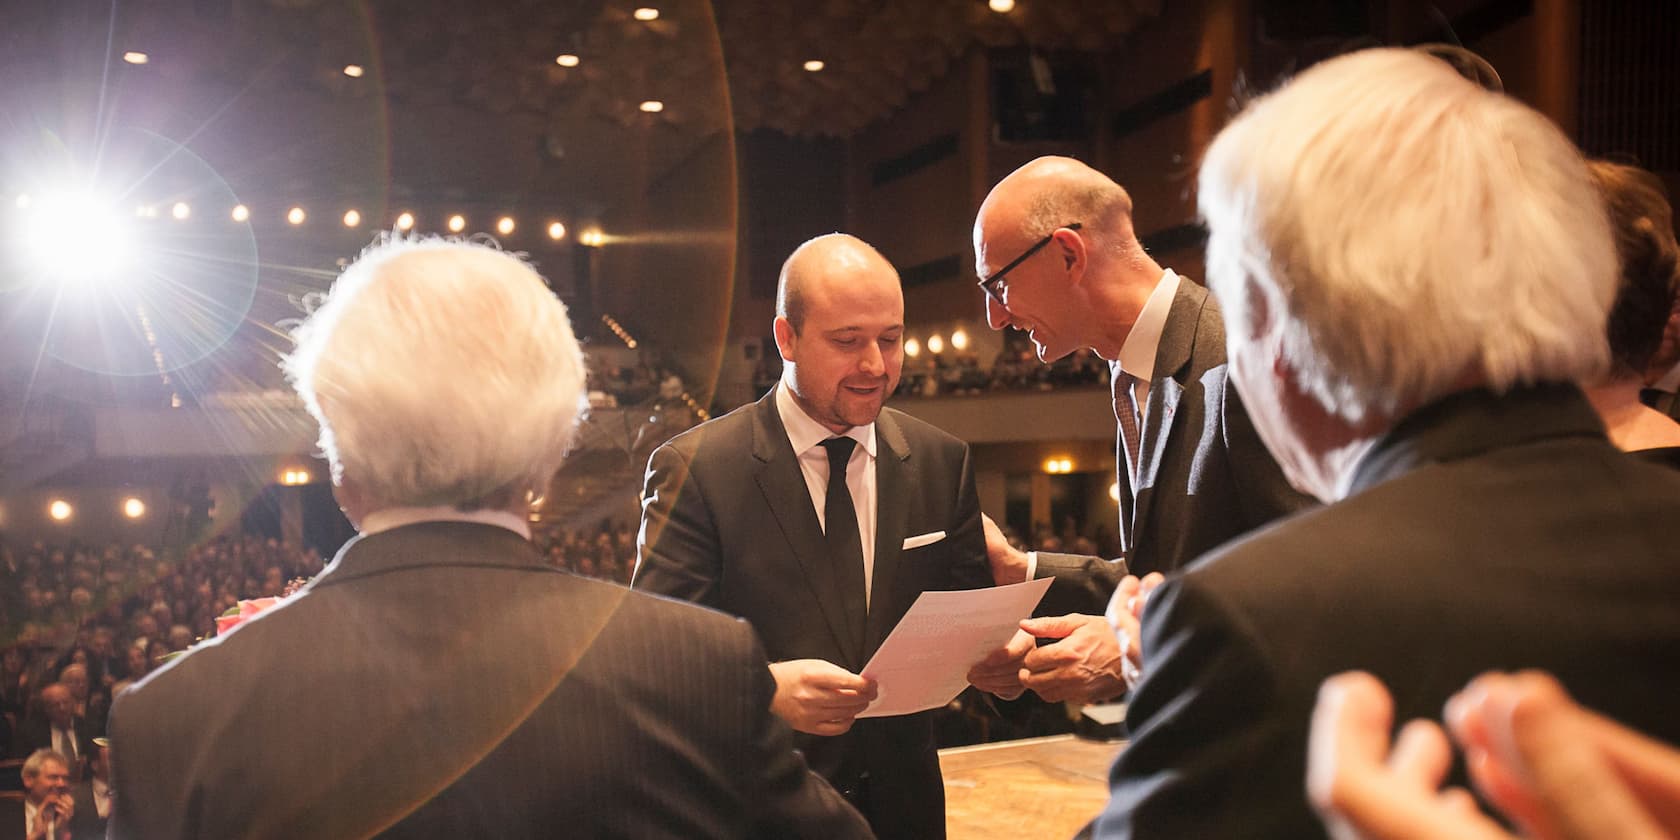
(1644, 228)
(439, 679)
(1414, 272)
(57, 728)
(46, 807)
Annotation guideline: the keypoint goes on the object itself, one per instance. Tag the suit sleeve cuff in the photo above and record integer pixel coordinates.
(1032, 564)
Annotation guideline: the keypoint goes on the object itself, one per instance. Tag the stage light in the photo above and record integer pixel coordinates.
(912, 348)
(814, 66)
(647, 13)
(1059, 465)
(652, 106)
(935, 344)
(354, 71)
(405, 221)
(296, 215)
(457, 223)
(592, 237)
(60, 510)
(504, 225)
(133, 508)
(556, 231)
(1002, 7)
(352, 218)
(75, 239)
(136, 57)
(566, 60)
(241, 212)
(1114, 491)
(181, 211)
(959, 339)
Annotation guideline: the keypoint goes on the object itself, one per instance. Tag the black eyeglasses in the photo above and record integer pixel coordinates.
(994, 286)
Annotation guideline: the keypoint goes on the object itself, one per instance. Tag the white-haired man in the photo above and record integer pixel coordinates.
(439, 679)
(46, 808)
(1414, 271)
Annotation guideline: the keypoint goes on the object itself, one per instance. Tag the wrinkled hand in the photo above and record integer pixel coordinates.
(1008, 564)
(1000, 672)
(1125, 616)
(1082, 667)
(819, 697)
(56, 809)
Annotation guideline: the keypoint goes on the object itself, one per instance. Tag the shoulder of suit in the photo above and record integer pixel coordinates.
(735, 425)
(921, 432)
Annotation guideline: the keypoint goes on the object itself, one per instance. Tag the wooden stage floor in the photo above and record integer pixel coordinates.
(1025, 790)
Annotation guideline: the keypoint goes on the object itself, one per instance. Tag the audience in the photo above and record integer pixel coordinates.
(46, 807)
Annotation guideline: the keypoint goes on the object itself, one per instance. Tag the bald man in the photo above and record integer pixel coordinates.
(1058, 259)
(819, 516)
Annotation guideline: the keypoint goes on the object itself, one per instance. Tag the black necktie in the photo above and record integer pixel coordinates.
(840, 529)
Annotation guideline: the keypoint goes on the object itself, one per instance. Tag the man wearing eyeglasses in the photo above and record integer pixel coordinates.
(1059, 260)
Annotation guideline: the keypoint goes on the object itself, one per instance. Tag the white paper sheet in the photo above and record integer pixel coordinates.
(924, 662)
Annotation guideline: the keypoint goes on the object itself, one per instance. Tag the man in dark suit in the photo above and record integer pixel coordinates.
(45, 809)
(1408, 352)
(820, 517)
(92, 797)
(60, 729)
(1055, 245)
(439, 679)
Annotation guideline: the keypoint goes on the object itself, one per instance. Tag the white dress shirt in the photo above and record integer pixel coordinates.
(807, 436)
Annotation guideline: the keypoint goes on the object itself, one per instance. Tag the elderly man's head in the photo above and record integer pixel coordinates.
(442, 373)
(840, 328)
(59, 704)
(46, 773)
(1058, 258)
(1384, 232)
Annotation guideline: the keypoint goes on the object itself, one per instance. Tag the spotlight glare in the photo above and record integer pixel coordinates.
(181, 211)
(814, 66)
(556, 231)
(60, 510)
(296, 215)
(1002, 7)
(593, 238)
(136, 57)
(504, 225)
(133, 508)
(405, 221)
(647, 13)
(76, 224)
(566, 60)
(652, 106)
(354, 71)
(959, 339)
(935, 344)
(241, 212)
(352, 218)
(457, 223)
(1114, 491)
(912, 348)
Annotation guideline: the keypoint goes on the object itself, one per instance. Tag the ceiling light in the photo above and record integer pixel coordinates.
(354, 71)
(935, 345)
(912, 348)
(133, 57)
(240, 212)
(295, 215)
(959, 339)
(556, 230)
(566, 60)
(647, 13)
(405, 221)
(814, 65)
(352, 218)
(59, 510)
(652, 106)
(133, 508)
(180, 211)
(593, 238)
(504, 225)
(1002, 7)
(457, 223)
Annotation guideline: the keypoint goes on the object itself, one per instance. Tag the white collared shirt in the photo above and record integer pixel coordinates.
(806, 435)
(101, 797)
(1143, 343)
(391, 518)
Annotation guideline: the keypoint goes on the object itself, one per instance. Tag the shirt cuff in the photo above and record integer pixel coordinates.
(1032, 564)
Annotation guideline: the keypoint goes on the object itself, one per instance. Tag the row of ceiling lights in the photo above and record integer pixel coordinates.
(61, 511)
(352, 218)
(936, 343)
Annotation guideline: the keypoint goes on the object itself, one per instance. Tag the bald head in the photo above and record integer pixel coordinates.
(1052, 192)
(832, 259)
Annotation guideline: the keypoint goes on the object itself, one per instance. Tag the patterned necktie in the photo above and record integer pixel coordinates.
(1125, 410)
(845, 545)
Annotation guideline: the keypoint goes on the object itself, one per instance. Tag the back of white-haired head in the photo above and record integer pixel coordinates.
(1400, 231)
(442, 372)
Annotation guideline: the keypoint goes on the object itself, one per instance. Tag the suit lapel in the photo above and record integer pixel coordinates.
(1178, 338)
(894, 476)
(779, 478)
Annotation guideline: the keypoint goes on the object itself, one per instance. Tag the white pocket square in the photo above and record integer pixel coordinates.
(924, 539)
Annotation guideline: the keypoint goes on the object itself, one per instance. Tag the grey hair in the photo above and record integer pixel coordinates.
(32, 764)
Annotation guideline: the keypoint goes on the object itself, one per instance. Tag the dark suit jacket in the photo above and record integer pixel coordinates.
(12, 820)
(728, 522)
(36, 734)
(85, 823)
(438, 680)
(1483, 533)
(1204, 475)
